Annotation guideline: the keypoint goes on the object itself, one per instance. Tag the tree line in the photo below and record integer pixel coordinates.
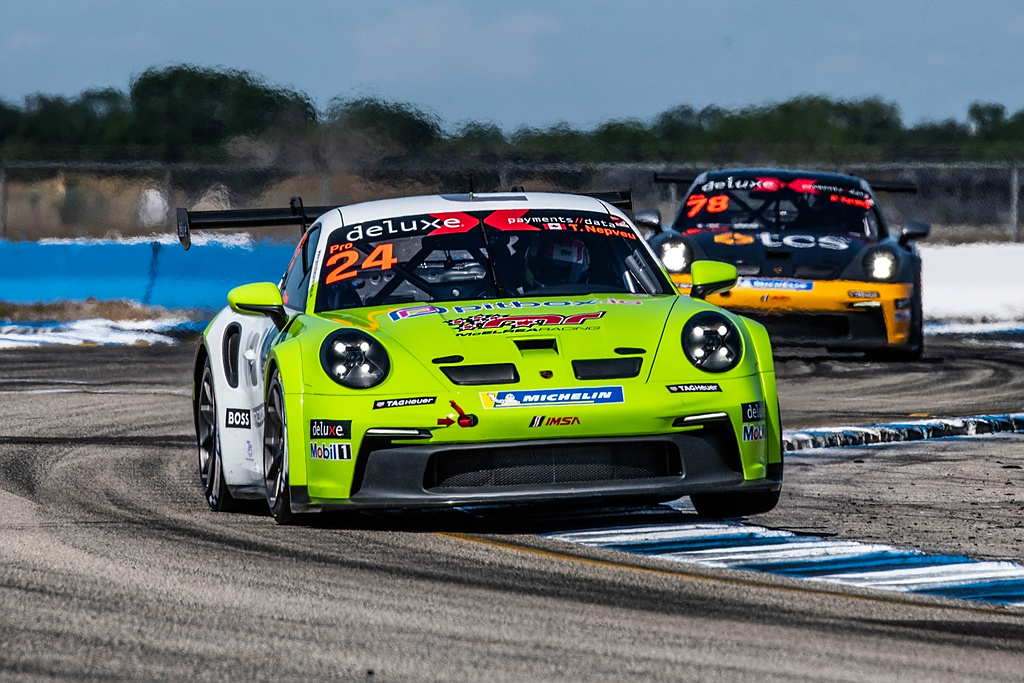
(185, 113)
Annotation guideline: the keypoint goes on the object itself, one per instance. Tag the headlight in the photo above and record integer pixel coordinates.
(354, 359)
(880, 264)
(675, 255)
(712, 342)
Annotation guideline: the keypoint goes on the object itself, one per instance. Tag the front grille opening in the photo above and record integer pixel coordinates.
(607, 368)
(473, 375)
(527, 465)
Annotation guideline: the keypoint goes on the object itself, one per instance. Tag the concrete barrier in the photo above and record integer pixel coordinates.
(158, 273)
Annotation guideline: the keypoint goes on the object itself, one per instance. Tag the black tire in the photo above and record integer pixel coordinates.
(275, 454)
(725, 505)
(211, 466)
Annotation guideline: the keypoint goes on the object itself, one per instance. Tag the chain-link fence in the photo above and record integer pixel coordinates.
(964, 201)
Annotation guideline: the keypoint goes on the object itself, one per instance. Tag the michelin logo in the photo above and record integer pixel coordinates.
(776, 284)
(550, 397)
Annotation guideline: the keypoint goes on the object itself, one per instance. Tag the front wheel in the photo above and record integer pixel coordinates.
(725, 505)
(275, 454)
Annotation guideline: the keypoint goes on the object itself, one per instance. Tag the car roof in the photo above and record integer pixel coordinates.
(452, 203)
(782, 174)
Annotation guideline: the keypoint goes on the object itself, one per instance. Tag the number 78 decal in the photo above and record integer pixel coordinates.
(696, 202)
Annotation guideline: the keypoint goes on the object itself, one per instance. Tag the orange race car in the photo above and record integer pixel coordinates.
(818, 266)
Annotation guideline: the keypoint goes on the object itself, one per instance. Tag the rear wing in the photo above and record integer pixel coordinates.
(894, 186)
(620, 199)
(294, 214)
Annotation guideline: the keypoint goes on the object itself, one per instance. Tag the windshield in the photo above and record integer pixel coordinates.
(484, 255)
(805, 204)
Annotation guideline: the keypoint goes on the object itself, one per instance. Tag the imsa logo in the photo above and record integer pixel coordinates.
(541, 421)
(330, 451)
(753, 432)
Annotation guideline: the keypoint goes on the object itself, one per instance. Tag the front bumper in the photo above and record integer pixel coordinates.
(649, 468)
(834, 313)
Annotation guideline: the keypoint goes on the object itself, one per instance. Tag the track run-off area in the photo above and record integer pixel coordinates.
(113, 567)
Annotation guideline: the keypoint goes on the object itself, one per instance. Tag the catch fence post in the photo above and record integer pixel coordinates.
(325, 188)
(1014, 201)
(169, 222)
(3, 202)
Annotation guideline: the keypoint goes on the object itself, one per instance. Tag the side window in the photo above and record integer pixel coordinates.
(295, 284)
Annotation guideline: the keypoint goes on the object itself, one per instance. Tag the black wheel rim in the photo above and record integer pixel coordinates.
(274, 446)
(206, 433)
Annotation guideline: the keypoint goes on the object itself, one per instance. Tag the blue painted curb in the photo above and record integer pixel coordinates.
(894, 432)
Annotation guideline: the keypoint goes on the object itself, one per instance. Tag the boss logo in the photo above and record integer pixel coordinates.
(238, 418)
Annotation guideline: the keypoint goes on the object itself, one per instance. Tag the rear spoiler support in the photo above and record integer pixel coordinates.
(620, 199)
(294, 214)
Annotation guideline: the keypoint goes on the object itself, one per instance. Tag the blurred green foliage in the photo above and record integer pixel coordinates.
(186, 113)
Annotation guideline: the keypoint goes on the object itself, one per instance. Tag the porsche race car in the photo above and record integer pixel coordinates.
(817, 263)
(480, 349)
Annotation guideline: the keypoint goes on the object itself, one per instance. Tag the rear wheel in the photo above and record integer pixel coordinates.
(275, 455)
(211, 466)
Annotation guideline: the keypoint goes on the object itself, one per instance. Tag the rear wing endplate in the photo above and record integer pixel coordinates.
(620, 199)
(294, 214)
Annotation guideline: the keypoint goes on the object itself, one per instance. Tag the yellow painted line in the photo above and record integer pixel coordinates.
(908, 599)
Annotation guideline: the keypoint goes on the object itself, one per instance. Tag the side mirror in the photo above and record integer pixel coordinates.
(913, 230)
(259, 298)
(648, 221)
(711, 277)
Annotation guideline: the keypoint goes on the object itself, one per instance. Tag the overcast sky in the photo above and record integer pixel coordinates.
(537, 62)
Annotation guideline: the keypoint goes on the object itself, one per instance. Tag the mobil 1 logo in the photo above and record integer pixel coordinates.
(330, 429)
(238, 418)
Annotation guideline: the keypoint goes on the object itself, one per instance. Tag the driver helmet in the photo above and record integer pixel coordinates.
(556, 258)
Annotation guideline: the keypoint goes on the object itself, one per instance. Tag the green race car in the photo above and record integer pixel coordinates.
(480, 349)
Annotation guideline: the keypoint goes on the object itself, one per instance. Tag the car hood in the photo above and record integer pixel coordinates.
(536, 334)
(800, 254)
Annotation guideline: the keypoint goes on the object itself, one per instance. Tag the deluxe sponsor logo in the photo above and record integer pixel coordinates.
(238, 418)
(330, 429)
(700, 388)
(572, 396)
(752, 412)
(541, 421)
(776, 284)
(417, 311)
(259, 414)
(734, 239)
(330, 451)
(505, 323)
(753, 432)
(404, 402)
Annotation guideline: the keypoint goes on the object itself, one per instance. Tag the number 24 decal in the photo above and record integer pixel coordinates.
(381, 257)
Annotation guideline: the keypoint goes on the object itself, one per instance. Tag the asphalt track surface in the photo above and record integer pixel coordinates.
(112, 567)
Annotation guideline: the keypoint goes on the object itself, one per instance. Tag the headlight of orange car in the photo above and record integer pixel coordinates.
(676, 255)
(881, 264)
